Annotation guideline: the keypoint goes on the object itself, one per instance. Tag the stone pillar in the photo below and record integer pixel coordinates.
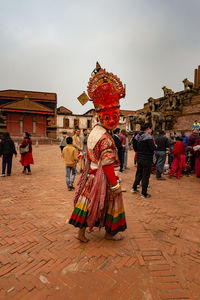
(34, 125)
(21, 124)
(195, 78)
(198, 77)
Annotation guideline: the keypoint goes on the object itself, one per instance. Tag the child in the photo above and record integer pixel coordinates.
(179, 161)
(69, 154)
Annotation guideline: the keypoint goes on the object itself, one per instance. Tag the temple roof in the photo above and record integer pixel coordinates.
(126, 113)
(63, 111)
(16, 94)
(26, 105)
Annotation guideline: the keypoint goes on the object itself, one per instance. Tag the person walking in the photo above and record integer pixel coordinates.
(162, 147)
(77, 143)
(63, 143)
(84, 143)
(123, 141)
(132, 143)
(125, 149)
(179, 161)
(7, 149)
(171, 148)
(26, 153)
(144, 145)
(196, 149)
(70, 156)
(191, 142)
(185, 142)
(118, 143)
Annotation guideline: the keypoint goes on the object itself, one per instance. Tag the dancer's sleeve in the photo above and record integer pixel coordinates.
(110, 174)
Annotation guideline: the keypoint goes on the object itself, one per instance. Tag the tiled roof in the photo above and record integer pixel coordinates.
(27, 105)
(63, 110)
(29, 94)
(90, 112)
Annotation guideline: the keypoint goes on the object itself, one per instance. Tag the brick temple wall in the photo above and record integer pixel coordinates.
(13, 124)
(18, 123)
(189, 114)
(41, 124)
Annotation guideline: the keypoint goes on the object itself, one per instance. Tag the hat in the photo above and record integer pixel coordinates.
(105, 89)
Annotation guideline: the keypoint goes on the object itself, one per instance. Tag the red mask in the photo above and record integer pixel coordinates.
(109, 118)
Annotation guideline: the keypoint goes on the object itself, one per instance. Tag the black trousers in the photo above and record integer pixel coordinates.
(28, 167)
(121, 159)
(7, 161)
(143, 173)
(192, 162)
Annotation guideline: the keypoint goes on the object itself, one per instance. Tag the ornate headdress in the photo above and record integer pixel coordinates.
(104, 89)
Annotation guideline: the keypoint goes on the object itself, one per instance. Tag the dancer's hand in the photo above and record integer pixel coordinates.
(118, 191)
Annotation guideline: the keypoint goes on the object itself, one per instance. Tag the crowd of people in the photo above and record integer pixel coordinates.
(151, 154)
(173, 155)
(183, 152)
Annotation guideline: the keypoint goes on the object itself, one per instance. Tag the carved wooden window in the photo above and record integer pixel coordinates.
(65, 123)
(76, 122)
(89, 124)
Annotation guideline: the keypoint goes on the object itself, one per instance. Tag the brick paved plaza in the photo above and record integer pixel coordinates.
(159, 257)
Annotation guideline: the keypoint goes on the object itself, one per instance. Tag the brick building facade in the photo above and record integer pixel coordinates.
(29, 111)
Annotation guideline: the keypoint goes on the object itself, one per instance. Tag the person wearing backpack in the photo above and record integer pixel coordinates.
(7, 149)
(26, 153)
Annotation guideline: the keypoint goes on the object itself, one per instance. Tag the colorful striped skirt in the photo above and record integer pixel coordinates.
(114, 214)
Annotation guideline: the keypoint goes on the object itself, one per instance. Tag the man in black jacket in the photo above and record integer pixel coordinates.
(7, 149)
(118, 144)
(144, 145)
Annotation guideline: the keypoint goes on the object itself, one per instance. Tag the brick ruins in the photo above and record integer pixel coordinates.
(174, 111)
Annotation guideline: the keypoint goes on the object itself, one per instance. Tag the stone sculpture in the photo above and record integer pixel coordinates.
(187, 84)
(167, 92)
(157, 119)
(151, 104)
(139, 119)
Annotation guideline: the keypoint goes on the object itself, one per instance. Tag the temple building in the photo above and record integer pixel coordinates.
(67, 121)
(22, 111)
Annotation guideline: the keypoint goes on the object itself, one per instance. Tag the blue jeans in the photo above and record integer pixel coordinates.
(7, 161)
(70, 170)
(160, 162)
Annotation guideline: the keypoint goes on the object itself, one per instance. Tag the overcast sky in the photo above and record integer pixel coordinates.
(53, 46)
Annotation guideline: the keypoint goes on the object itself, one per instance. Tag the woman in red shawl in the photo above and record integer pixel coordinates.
(27, 157)
(179, 161)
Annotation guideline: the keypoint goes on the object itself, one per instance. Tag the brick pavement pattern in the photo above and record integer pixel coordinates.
(158, 259)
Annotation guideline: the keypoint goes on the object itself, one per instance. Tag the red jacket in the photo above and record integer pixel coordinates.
(179, 149)
(24, 144)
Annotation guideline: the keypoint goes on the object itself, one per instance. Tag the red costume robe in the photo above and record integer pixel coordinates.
(95, 204)
(179, 161)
